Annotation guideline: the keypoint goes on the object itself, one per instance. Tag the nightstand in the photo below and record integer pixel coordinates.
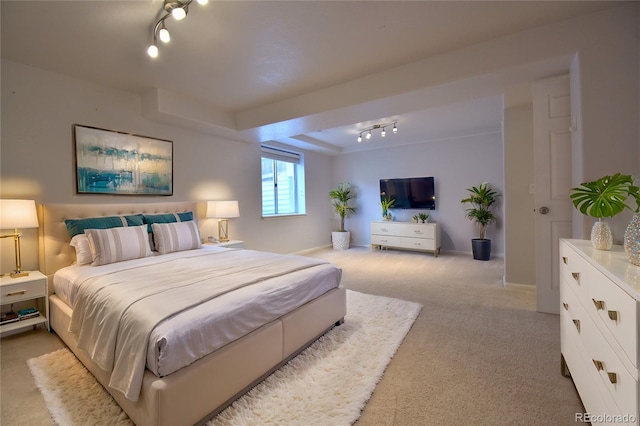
(230, 243)
(25, 292)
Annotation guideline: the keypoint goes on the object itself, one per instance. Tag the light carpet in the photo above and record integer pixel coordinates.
(329, 383)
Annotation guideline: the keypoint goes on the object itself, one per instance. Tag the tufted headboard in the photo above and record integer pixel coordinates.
(55, 251)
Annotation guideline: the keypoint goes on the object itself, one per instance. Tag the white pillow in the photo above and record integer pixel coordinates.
(118, 244)
(176, 236)
(83, 251)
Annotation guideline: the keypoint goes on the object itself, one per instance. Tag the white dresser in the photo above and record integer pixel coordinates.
(406, 235)
(599, 314)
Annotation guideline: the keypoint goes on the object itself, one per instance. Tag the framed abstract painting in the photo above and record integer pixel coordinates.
(116, 163)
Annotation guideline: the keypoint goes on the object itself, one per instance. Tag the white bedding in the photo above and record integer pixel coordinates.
(199, 331)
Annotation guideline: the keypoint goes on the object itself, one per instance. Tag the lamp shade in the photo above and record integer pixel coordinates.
(18, 214)
(222, 209)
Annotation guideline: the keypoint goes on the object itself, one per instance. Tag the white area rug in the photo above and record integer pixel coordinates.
(328, 383)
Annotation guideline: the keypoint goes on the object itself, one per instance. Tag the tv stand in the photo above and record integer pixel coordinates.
(406, 235)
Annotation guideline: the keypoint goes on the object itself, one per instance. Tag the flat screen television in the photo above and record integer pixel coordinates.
(409, 193)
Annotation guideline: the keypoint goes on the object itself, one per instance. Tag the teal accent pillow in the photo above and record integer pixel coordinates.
(77, 226)
(166, 218)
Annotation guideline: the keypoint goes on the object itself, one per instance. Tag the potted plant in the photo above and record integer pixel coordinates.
(341, 197)
(480, 199)
(386, 204)
(423, 217)
(604, 197)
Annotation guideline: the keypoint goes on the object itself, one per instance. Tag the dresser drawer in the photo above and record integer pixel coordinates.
(417, 231)
(403, 242)
(573, 267)
(594, 395)
(617, 311)
(10, 293)
(605, 386)
(402, 229)
(383, 228)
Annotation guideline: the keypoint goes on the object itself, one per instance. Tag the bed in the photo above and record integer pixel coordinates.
(182, 390)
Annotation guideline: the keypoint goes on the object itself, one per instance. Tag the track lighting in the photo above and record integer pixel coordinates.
(179, 13)
(164, 35)
(382, 126)
(153, 51)
(178, 9)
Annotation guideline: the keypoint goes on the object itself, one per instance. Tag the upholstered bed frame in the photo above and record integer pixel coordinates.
(197, 392)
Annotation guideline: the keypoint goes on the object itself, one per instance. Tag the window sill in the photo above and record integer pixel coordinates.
(284, 216)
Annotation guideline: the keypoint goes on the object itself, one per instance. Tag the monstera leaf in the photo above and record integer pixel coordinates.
(604, 197)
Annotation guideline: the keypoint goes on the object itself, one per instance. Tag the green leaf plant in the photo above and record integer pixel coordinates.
(481, 198)
(605, 197)
(342, 196)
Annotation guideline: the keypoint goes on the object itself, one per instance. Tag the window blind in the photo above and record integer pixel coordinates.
(280, 155)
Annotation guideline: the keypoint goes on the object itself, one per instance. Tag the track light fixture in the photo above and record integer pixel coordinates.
(178, 9)
(383, 133)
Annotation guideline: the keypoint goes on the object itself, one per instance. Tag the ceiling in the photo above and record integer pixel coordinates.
(240, 59)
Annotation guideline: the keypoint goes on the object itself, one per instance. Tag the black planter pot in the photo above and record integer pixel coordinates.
(481, 248)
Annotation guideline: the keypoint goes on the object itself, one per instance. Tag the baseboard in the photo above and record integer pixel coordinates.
(521, 286)
(309, 250)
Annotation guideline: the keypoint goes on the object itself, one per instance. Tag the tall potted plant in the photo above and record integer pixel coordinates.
(480, 200)
(604, 197)
(342, 197)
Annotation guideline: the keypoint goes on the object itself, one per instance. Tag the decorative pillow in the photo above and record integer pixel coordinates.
(77, 226)
(118, 244)
(164, 218)
(179, 236)
(83, 251)
(167, 218)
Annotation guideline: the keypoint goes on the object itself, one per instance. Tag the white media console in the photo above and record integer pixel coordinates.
(405, 235)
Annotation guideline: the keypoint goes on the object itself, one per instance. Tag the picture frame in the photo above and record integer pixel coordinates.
(117, 163)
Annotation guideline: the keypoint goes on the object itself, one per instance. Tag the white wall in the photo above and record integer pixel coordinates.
(39, 109)
(456, 164)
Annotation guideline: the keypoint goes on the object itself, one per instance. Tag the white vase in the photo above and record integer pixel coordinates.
(632, 240)
(340, 240)
(601, 236)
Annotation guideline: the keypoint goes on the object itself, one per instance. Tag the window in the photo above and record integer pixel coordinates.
(282, 182)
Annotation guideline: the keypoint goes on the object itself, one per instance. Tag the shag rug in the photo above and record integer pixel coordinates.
(328, 383)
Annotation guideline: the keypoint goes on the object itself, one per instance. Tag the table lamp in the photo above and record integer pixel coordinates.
(17, 214)
(223, 211)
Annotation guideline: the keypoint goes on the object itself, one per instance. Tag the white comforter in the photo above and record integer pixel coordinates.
(172, 286)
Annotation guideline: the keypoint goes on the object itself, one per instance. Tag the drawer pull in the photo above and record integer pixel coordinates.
(613, 315)
(17, 293)
(613, 378)
(577, 324)
(599, 365)
(384, 229)
(565, 260)
(566, 306)
(599, 304)
(576, 276)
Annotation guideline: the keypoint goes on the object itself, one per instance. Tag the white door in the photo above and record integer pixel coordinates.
(552, 179)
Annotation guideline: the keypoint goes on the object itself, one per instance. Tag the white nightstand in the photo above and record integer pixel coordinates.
(32, 289)
(230, 243)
